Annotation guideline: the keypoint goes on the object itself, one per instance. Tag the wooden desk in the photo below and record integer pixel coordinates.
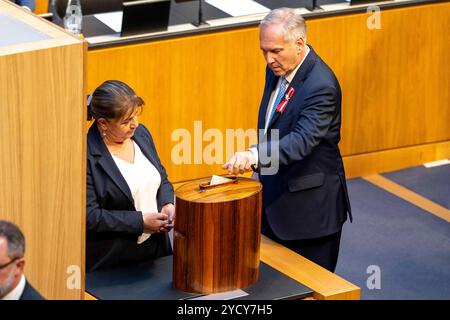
(326, 285)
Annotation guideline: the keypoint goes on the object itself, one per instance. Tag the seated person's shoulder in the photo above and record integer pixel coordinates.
(30, 293)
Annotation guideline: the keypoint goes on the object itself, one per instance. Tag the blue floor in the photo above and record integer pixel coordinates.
(409, 245)
(431, 183)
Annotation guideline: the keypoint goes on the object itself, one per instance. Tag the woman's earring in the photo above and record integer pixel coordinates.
(104, 134)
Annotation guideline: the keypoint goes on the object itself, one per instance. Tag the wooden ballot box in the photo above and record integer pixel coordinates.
(217, 235)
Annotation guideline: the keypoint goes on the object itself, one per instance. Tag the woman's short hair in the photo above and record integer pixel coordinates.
(294, 26)
(112, 100)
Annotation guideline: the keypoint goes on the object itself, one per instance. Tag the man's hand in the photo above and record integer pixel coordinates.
(240, 162)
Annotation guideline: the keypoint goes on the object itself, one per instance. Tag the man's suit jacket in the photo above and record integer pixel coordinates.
(30, 293)
(308, 197)
(113, 224)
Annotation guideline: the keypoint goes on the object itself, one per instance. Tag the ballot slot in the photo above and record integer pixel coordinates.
(218, 181)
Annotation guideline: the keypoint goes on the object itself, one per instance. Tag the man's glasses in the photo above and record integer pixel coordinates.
(2, 266)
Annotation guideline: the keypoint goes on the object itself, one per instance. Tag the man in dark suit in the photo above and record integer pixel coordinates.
(305, 201)
(13, 284)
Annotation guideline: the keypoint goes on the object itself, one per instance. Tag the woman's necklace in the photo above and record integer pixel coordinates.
(124, 151)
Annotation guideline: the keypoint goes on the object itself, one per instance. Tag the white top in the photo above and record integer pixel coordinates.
(144, 180)
(16, 293)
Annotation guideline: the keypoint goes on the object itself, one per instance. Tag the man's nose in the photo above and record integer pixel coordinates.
(269, 58)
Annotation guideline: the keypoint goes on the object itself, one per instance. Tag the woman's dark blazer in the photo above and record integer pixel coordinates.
(113, 224)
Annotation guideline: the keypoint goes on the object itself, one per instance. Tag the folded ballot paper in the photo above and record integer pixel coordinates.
(215, 180)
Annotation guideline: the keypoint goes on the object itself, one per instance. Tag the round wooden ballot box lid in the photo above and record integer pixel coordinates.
(217, 235)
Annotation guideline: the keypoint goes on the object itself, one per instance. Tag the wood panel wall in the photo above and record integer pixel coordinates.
(43, 152)
(395, 80)
(214, 78)
(395, 84)
(41, 6)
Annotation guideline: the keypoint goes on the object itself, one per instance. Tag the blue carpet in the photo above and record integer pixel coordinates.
(431, 183)
(410, 246)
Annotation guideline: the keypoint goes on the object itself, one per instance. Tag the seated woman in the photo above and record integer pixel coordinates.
(129, 198)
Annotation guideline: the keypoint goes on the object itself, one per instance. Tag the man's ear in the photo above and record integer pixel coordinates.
(300, 43)
(20, 263)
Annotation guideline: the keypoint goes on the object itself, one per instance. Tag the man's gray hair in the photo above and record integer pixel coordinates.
(14, 237)
(294, 26)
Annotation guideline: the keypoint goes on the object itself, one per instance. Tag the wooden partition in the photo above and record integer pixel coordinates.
(42, 143)
(192, 84)
(41, 6)
(395, 84)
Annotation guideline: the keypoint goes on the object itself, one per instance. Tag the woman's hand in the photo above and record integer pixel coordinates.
(155, 221)
(169, 210)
